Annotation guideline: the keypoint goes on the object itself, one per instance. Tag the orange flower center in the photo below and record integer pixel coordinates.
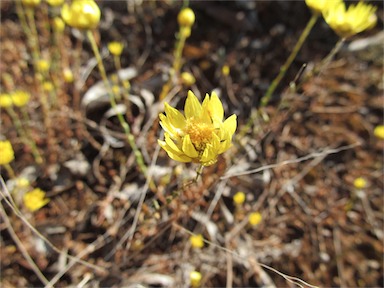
(200, 133)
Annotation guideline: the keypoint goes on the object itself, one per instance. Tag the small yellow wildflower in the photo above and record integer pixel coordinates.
(197, 241)
(22, 182)
(81, 14)
(20, 98)
(199, 136)
(42, 65)
(195, 278)
(58, 24)
(68, 75)
(31, 3)
(35, 199)
(48, 86)
(187, 79)
(225, 70)
(115, 48)
(6, 152)
(254, 218)
(55, 2)
(5, 100)
(186, 17)
(239, 198)
(379, 131)
(320, 6)
(348, 22)
(360, 183)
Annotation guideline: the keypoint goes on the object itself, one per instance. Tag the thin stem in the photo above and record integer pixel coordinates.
(10, 171)
(324, 63)
(123, 123)
(288, 62)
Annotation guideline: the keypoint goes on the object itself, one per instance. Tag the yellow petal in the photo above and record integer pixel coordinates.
(180, 158)
(188, 147)
(172, 144)
(168, 127)
(209, 156)
(192, 106)
(175, 117)
(230, 125)
(216, 107)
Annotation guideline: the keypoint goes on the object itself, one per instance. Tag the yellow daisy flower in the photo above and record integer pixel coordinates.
(197, 241)
(199, 136)
(348, 22)
(35, 199)
(81, 14)
(20, 98)
(320, 6)
(116, 48)
(5, 100)
(6, 152)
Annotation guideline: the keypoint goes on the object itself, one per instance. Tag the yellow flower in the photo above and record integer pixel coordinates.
(55, 2)
(320, 6)
(186, 17)
(48, 86)
(115, 48)
(379, 131)
(58, 24)
(42, 65)
(348, 22)
(187, 79)
(197, 241)
(254, 218)
(225, 70)
(35, 199)
(81, 14)
(68, 75)
(360, 183)
(31, 3)
(195, 278)
(20, 98)
(6, 152)
(239, 198)
(199, 136)
(5, 100)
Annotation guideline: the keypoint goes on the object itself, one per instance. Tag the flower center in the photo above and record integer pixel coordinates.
(200, 133)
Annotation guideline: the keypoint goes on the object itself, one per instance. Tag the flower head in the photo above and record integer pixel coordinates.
(6, 152)
(320, 6)
(348, 22)
(5, 100)
(379, 131)
(197, 241)
(35, 199)
(186, 17)
(81, 14)
(239, 198)
(199, 136)
(187, 79)
(115, 48)
(20, 98)
(360, 183)
(195, 278)
(68, 75)
(254, 218)
(58, 24)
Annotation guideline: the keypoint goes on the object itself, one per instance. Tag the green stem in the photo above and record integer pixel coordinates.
(324, 63)
(33, 36)
(123, 123)
(288, 62)
(10, 171)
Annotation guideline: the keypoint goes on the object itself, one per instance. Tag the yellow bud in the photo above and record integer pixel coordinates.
(185, 31)
(6, 152)
(22, 182)
(55, 2)
(42, 65)
(360, 183)
(115, 48)
(35, 199)
(225, 70)
(186, 17)
(197, 241)
(5, 101)
(116, 89)
(254, 218)
(239, 198)
(48, 86)
(31, 3)
(187, 79)
(58, 24)
(68, 75)
(195, 278)
(20, 98)
(81, 14)
(379, 131)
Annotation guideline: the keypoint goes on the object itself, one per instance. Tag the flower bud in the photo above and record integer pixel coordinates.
(81, 14)
(186, 17)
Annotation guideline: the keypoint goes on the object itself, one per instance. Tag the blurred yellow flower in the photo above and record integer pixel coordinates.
(199, 136)
(320, 6)
(68, 75)
(31, 3)
(42, 65)
(197, 241)
(115, 48)
(360, 183)
(5, 100)
(48, 86)
(186, 17)
(35, 199)
(20, 98)
(254, 218)
(187, 79)
(22, 182)
(58, 24)
(348, 22)
(6, 152)
(55, 2)
(225, 70)
(379, 131)
(195, 278)
(81, 14)
(239, 198)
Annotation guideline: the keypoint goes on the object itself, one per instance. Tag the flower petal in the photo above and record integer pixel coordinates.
(188, 147)
(216, 109)
(168, 127)
(209, 156)
(176, 118)
(230, 125)
(192, 106)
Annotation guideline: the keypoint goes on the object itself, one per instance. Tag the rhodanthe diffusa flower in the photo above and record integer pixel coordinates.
(20, 98)
(35, 199)
(379, 131)
(195, 278)
(5, 100)
(360, 183)
(239, 198)
(320, 6)
(186, 17)
(255, 218)
(81, 14)
(115, 48)
(199, 136)
(197, 241)
(348, 22)
(6, 152)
